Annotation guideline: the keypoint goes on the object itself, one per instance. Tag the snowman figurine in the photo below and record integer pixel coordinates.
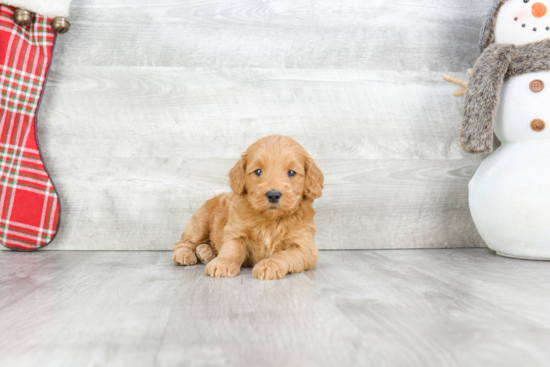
(508, 94)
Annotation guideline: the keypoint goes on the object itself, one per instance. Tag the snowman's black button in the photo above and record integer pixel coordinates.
(536, 86)
(537, 125)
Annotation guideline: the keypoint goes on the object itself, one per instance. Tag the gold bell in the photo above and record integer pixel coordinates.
(60, 25)
(22, 17)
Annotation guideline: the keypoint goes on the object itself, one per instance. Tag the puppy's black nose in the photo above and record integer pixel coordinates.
(273, 196)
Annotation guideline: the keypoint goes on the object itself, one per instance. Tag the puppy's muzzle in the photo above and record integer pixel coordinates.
(273, 196)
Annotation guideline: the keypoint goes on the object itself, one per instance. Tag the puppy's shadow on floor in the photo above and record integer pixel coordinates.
(244, 289)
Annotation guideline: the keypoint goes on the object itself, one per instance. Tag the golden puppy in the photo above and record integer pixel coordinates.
(267, 222)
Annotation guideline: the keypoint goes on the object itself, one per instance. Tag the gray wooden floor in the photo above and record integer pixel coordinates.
(148, 105)
(422, 308)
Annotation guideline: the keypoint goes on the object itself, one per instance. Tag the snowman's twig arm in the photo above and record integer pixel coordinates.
(458, 81)
(453, 79)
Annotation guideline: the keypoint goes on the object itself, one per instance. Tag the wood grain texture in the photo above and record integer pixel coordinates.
(420, 308)
(165, 112)
(118, 204)
(428, 35)
(147, 106)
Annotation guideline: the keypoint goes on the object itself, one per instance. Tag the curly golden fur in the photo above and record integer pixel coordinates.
(245, 228)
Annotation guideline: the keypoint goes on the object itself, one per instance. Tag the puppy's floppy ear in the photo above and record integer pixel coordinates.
(314, 180)
(237, 176)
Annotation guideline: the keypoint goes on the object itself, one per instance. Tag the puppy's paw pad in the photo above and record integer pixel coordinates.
(218, 268)
(269, 269)
(184, 256)
(205, 254)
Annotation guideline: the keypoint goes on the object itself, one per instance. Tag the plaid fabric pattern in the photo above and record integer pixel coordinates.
(29, 207)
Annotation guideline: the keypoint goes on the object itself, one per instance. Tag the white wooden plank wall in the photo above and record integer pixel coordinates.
(149, 104)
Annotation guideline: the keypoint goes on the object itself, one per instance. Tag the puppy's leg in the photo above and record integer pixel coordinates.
(197, 231)
(295, 259)
(204, 253)
(229, 260)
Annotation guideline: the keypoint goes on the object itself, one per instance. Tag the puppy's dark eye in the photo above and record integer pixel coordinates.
(258, 172)
(291, 173)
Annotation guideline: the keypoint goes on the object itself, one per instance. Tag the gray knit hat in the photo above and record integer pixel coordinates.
(487, 36)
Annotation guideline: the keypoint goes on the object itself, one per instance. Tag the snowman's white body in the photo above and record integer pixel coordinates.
(510, 192)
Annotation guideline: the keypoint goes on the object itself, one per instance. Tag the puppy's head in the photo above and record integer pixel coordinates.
(276, 174)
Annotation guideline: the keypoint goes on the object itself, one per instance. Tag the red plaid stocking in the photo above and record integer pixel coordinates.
(29, 208)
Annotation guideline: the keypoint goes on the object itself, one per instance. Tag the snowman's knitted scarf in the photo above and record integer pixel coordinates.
(497, 62)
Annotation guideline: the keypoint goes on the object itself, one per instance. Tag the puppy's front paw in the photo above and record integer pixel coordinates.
(184, 256)
(218, 268)
(204, 253)
(269, 269)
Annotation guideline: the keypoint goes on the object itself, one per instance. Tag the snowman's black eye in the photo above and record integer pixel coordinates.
(258, 172)
(525, 1)
(548, 28)
(523, 25)
(534, 29)
(516, 18)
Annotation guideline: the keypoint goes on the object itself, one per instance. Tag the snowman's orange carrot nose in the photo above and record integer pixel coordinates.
(539, 9)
